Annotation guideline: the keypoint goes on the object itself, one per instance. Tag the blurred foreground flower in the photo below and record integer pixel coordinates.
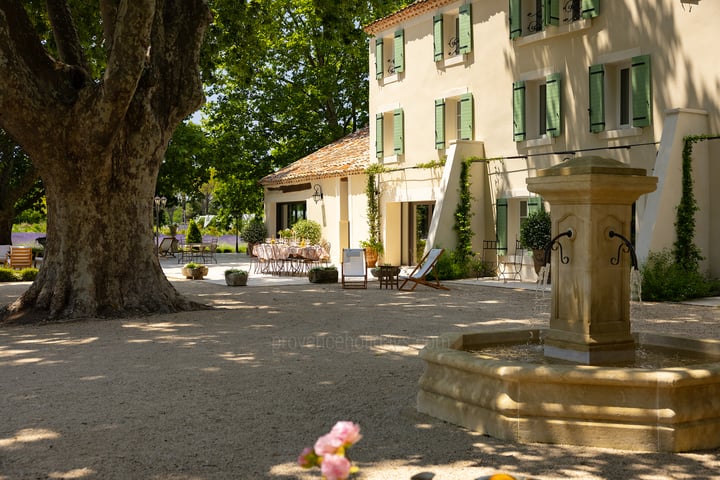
(329, 452)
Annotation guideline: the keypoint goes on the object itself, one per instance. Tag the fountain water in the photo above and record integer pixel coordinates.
(584, 400)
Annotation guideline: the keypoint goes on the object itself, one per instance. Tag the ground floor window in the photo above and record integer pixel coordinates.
(289, 213)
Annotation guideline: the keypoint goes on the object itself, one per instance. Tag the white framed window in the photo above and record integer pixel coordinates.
(390, 56)
(452, 34)
(620, 95)
(528, 17)
(453, 119)
(390, 135)
(537, 108)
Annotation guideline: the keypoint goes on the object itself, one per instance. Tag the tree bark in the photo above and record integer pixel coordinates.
(98, 145)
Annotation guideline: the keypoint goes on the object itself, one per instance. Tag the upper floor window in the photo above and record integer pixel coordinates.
(620, 94)
(452, 33)
(536, 108)
(390, 135)
(531, 16)
(453, 119)
(390, 55)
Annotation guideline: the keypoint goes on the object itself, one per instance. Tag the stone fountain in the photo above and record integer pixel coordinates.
(584, 398)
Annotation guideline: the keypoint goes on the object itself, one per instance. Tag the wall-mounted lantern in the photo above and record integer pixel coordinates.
(317, 194)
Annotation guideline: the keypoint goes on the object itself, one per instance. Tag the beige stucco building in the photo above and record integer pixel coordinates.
(522, 85)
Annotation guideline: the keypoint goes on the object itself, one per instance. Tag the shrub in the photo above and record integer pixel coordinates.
(27, 274)
(254, 232)
(665, 280)
(193, 233)
(7, 275)
(309, 230)
(535, 231)
(450, 267)
(24, 275)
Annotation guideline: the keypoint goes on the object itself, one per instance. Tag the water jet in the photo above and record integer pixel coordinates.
(584, 399)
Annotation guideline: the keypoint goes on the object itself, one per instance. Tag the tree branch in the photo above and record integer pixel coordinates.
(65, 34)
(126, 62)
(108, 13)
(30, 82)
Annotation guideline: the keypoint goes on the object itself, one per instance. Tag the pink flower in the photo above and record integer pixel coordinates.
(307, 458)
(328, 444)
(335, 467)
(347, 432)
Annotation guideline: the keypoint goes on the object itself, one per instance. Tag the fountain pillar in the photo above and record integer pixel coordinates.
(590, 197)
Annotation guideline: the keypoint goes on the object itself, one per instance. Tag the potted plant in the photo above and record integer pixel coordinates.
(535, 234)
(308, 230)
(373, 249)
(385, 270)
(235, 277)
(194, 271)
(323, 274)
(254, 232)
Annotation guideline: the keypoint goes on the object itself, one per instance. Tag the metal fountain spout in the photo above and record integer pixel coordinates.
(629, 248)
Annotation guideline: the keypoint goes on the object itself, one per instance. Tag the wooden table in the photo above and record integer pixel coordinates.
(388, 276)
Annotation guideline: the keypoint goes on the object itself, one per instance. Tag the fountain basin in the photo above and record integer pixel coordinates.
(662, 410)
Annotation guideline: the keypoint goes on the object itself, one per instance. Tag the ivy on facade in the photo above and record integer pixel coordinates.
(687, 254)
(463, 214)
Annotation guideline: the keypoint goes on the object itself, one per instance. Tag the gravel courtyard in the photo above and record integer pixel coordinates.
(237, 392)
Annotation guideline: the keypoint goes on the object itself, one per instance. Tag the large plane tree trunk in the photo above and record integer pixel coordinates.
(98, 145)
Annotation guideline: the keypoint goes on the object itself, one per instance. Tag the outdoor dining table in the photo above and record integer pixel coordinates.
(197, 252)
(279, 258)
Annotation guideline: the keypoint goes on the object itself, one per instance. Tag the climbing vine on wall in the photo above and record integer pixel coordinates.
(463, 214)
(687, 254)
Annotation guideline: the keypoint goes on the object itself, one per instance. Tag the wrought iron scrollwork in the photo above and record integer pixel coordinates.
(454, 45)
(625, 246)
(391, 66)
(536, 22)
(572, 11)
(554, 244)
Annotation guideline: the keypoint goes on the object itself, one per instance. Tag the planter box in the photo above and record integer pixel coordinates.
(323, 276)
(195, 273)
(236, 279)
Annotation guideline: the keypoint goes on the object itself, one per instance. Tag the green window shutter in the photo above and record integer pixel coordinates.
(465, 30)
(399, 46)
(553, 113)
(379, 136)
(439, 124)
(641, 91)
(501, 221)
(597, 98)
(398, 138)
(551, 12)
(515, 18)
(534, 204)
(466, 116)
(590, 8)
(519, 111)
(438, 37)
(378, 58)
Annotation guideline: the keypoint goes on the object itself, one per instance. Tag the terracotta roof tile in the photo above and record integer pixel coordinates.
(417, 8)
(348, 156)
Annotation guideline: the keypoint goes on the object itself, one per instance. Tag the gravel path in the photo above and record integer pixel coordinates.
(238, 391)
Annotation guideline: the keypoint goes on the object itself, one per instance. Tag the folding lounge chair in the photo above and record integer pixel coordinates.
(168, 246)
(426, 265)
(354, 270)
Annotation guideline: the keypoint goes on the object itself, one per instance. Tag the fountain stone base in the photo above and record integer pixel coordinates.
(662, 410)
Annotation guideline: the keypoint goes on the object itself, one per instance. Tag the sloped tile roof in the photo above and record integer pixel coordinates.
(415, 9)
(348, 156)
